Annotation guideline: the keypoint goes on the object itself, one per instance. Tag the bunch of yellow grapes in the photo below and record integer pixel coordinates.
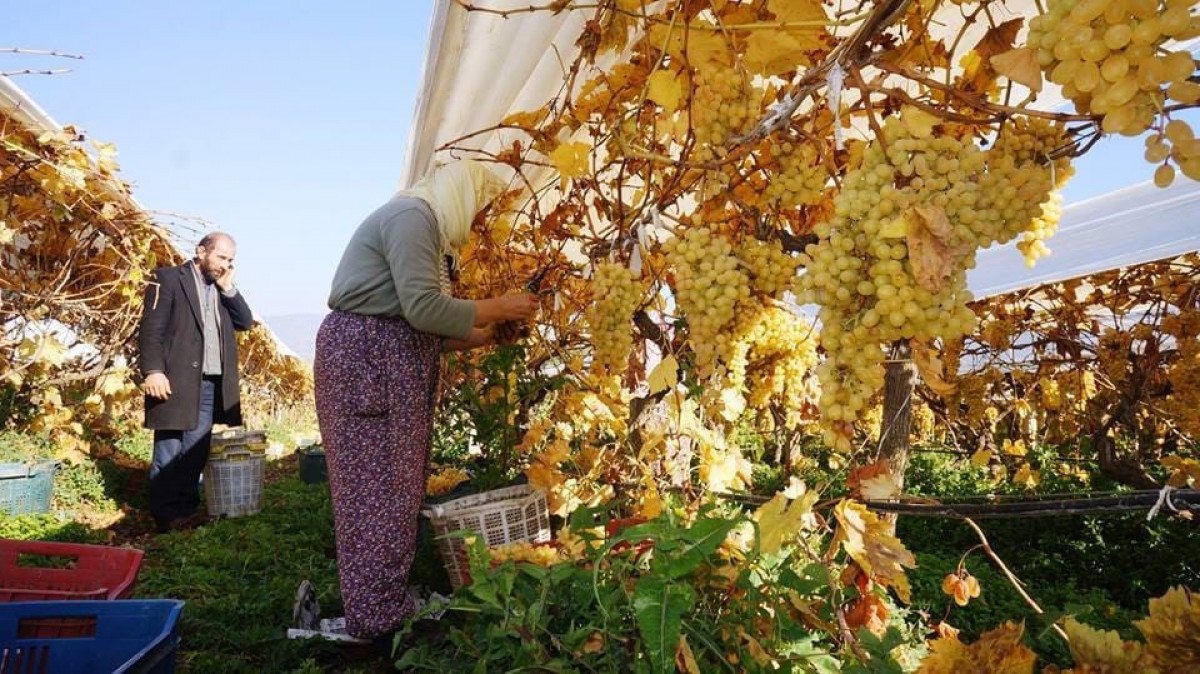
(1175, 142)
(799, 178)
(914, 185)
(724, 105)
(709, 283)
(1019, 190)
(444, 480)
(1110, 59)
(524, 551)
(772, 269)
(616, 293)
(774, 354)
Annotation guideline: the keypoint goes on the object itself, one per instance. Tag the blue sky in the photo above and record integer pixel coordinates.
(284, 123)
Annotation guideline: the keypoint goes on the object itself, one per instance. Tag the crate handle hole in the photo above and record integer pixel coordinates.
(47, 561)
(56, 627)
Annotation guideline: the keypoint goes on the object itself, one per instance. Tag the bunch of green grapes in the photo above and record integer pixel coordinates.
(709, 284)
(799, 177)
(772, 269)
(723, 106)
(911, 182)
(616, 293)
(1033, 242)
(1019, 194)
(772, 354)
(1175, 142)
(781, 351)
(1110, 59)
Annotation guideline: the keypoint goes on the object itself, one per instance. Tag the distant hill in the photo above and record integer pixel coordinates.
(298, 331)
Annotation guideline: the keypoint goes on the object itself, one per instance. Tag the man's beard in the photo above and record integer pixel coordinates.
(208, 274)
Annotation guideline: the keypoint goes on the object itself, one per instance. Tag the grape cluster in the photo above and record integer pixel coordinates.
(723, 106)
(445, 480)
(616, 293)
(799, 177)
(525, 552)
(774, 353)
(709, 283)
(1110, 59)
(772, 269)
(1176, 142)
(913, 182)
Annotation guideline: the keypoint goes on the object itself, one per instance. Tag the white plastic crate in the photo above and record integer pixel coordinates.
(505, 515)
(233, 482)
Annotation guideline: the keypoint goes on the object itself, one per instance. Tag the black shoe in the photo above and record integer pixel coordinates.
(385, 644)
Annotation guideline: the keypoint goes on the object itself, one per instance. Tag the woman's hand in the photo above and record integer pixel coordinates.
(477, 338)
(516, 307)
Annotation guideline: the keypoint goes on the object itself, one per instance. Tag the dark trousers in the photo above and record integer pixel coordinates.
(179, 458)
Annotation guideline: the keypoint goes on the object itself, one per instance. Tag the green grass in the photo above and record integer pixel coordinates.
(239, 578)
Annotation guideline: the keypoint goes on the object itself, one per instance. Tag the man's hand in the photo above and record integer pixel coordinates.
(157, 386)
(225, 281)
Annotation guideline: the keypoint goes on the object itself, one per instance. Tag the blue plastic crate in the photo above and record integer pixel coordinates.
(89, 637)
(26, 488)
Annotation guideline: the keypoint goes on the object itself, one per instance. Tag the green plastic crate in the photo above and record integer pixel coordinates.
(26, 487)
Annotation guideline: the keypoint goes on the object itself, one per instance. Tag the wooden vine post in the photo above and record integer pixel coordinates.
(898, 389)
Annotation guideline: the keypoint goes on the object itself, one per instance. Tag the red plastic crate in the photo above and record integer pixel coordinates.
(94, 572)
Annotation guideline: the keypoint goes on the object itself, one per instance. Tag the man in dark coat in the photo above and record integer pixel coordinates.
(189, 362)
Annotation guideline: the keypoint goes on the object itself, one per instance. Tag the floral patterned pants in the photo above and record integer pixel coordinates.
(376, 379)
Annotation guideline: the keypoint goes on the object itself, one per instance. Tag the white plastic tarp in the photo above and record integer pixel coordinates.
(1126, 227)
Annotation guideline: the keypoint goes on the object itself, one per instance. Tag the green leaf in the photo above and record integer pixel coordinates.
(659, 606)
(811, 656)
(700, 541)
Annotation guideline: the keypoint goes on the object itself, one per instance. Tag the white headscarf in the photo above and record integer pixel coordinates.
(455, 193)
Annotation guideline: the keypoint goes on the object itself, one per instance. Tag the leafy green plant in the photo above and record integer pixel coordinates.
(239, 578)
(47, 527)
(18, 447)
(641, 600)
(482, 421)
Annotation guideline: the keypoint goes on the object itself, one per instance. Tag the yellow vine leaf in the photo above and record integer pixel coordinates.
(723, 469)
(733, 404)
(1020, 66)
(1184, 472)
(999, 651)
(933, 372)
(571, 159)
(797, 10)
(982, 457)
(1172, 629)
(999, 38)
(664, 375)
(665, 89)
(705, 45)
(931, 249)
(685, 659)
(775, 52)
(779, 520)
(879, 487)
(527, 119)
(45, 350)
(1027, 477)
(1104, 651)
(867, 539)
(977, 73)
(1016, 448)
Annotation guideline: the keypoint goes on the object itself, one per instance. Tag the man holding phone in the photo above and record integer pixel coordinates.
(190, 369)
